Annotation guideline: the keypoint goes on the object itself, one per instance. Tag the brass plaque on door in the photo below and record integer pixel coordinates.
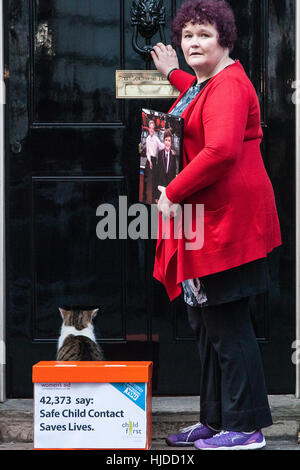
(143, 84)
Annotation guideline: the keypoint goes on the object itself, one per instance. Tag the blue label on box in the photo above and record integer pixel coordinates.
(134, 392)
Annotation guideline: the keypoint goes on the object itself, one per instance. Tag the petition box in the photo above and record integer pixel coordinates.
(92, 405)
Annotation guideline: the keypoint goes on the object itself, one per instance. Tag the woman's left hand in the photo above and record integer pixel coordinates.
(165, 206)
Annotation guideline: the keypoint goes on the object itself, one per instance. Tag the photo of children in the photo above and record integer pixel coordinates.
(160, 153)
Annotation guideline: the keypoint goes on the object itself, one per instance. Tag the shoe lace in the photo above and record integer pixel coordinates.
(190, 428)
(221, 433)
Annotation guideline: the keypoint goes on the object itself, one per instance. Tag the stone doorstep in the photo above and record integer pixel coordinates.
(163, 426)
(173, 413)
(169, 414)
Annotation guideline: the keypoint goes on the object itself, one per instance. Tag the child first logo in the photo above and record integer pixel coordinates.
(131, 428)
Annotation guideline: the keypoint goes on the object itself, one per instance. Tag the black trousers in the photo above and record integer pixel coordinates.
(233, 394)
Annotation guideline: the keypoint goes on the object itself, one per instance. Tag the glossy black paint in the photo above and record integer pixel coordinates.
(72, 146)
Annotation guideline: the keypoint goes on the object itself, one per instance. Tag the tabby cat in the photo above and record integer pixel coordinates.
(77, 340)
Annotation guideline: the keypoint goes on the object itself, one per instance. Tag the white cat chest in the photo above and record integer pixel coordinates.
(92, 405)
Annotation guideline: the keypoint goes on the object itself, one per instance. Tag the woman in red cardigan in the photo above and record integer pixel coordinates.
(224, 171)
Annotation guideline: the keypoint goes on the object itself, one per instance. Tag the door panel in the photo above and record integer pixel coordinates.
(77, 48)
(72, 146)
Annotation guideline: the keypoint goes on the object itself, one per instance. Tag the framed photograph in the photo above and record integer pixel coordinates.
(160, 153)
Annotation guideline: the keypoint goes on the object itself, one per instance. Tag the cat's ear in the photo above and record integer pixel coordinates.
(62, 312)
(94, 313)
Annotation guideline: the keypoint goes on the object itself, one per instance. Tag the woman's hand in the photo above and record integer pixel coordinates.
(165, 206)
(164, 58)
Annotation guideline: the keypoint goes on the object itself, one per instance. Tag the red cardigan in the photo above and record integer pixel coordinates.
(222, 169)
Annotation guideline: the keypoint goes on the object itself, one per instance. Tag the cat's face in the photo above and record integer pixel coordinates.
(80, 319)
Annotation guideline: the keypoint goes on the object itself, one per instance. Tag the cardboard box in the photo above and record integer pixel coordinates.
(92, 405)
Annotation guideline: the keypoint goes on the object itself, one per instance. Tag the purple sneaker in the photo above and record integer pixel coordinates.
(231, 440)
(187, 436)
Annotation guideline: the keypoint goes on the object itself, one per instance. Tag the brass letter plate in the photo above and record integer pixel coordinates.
(143, 84)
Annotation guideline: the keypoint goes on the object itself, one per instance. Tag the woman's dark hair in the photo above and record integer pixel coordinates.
(215, 12)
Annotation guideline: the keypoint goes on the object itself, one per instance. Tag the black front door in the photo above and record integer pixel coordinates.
(72, 146)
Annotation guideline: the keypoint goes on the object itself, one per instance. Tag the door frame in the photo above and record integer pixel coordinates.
(297, 104)
(2, 209)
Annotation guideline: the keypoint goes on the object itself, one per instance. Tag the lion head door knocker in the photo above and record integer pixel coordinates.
(147, 18)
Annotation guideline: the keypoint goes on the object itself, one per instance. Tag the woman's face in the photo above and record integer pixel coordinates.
(199, 43)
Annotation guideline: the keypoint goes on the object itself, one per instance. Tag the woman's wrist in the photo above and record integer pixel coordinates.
(170, 196)
(170, 71)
